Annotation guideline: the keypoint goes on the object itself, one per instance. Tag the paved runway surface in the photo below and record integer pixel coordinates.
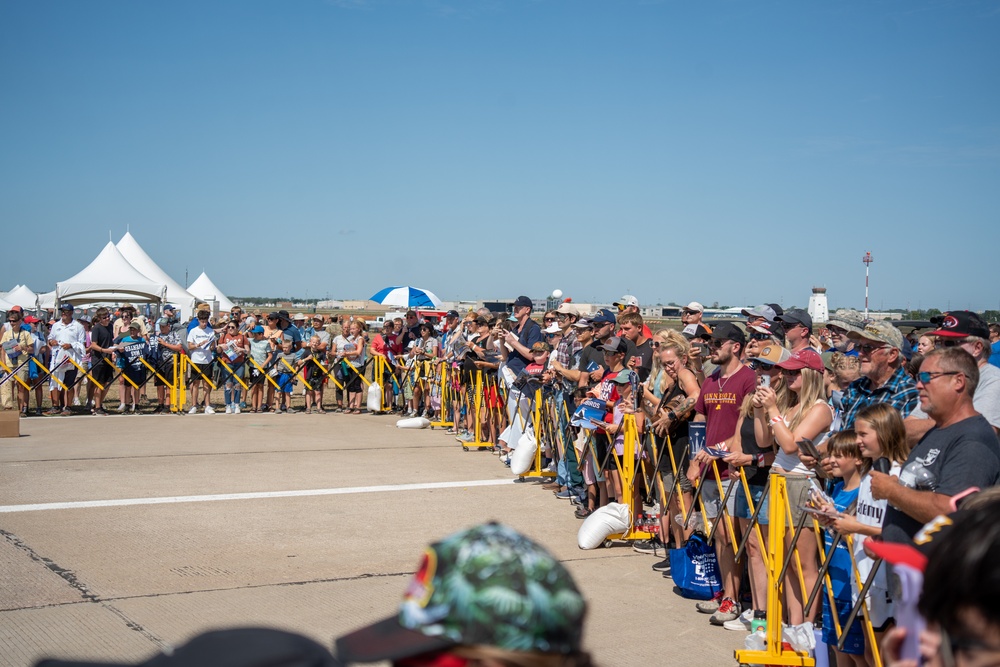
(122, 535)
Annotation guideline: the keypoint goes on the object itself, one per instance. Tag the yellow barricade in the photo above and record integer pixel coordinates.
(445, 389)
(233, 375)
(198, 370)
(12, 371)
(294, 372)
(538, 426)
(49, 373)
(327, 372)
(627, 471)
(271, 379)
(86, 374)
(478, 399)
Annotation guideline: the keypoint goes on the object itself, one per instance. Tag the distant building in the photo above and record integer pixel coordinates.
(818, 309)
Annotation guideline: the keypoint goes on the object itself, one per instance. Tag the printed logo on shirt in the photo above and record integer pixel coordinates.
(870, 511)
(929, 459)
(718, 399)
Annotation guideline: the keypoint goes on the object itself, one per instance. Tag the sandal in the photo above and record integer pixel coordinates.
(583, 513)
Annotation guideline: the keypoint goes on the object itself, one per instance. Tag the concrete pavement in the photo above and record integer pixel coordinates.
(333, 550)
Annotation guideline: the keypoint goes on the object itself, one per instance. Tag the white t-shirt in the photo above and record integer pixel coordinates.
(871, 512)
(203, 338)
(986, 400)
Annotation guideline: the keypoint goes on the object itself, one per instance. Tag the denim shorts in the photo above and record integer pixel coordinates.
(743, 508)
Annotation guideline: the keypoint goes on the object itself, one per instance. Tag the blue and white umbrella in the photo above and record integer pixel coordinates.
(406, 297)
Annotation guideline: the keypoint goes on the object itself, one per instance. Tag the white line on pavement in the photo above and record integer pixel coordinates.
(165, 500)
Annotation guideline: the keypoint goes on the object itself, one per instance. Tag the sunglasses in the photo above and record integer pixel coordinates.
(790, 373)
(925, 377)
(716, 344)
(549, 320)
(760, 365)
(656, 344)
(760, 336)
(865, 348)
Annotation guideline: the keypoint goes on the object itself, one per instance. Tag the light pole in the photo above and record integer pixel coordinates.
(867, 259)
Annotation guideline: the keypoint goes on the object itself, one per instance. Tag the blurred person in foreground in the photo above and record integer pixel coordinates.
(484, 596)
(958, 555)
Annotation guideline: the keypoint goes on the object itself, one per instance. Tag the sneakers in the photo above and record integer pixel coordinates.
(650, 546)
(236, 409)
(466, 437)
(662, 566)
(709, 606)
(209, 410)
(229, 409)
(729, 610)
(121, 407)
(741, 623)
(565, 494)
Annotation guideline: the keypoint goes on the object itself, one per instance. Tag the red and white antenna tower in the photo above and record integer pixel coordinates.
(867, 259)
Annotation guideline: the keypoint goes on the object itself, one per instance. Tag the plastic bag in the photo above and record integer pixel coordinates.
(695, 569)
(608, 520)
(524, 454)
(374, 401)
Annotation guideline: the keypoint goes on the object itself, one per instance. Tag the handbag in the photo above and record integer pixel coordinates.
(695, 569)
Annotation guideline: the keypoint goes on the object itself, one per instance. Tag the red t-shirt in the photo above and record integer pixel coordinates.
(720, 402)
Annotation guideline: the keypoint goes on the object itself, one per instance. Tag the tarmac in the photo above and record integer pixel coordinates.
(123, 535)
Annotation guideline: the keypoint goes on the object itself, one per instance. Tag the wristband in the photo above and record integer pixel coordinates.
(777, 420)
(671, 415)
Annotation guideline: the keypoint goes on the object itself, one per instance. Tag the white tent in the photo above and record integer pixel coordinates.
(205, 289)
(137, 257)
(109, 279)
(22, 296)
(5, 306)
(47, 300)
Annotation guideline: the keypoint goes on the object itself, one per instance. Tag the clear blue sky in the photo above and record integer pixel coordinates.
(736, 152)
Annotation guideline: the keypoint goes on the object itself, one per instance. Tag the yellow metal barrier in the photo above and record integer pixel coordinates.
(445, 395)
(479, 399)
(326, 371)
(86, 374)
(294, 372)
(774, 652)
(357, 372)
(195, 367)
(39, 363)
(12, 373)
(627, 472)
(536, 423)
(233, 374)
(271, 379)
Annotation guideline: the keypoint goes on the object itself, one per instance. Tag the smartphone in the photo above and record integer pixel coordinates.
(765, 380)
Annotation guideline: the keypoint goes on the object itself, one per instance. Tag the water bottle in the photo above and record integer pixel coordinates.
(916, 476)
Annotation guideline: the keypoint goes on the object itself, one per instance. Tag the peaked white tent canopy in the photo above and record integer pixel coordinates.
(109, 279)
(137, 257)
(22, 296)
(5, 306)
(47, 300)
(205, 289)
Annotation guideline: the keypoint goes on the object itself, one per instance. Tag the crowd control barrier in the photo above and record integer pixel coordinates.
(777, 559)
(629, 471)
(12, 373)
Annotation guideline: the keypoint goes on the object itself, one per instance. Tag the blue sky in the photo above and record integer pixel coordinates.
(724, 151)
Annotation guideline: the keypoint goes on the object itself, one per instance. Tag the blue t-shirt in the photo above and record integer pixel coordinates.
(995, 354)
(530, 334)
(840, 579)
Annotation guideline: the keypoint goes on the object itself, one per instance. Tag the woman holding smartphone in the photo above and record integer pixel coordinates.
(807, 416)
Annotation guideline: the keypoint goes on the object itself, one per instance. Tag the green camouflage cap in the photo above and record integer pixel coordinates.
(488, 585)
(880, 331)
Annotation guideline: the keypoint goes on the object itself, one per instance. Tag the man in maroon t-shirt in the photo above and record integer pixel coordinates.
(719, 406)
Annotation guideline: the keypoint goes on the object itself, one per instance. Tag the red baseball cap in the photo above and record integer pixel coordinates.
(805, 358)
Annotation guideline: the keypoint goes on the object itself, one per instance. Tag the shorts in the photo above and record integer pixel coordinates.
(138, 376)
(797, 487)
(102, 372)
(668, 481)
(256, 377)
(743, 508)
(206, 370)
(68, 379)
(711, 499)
(285, 383)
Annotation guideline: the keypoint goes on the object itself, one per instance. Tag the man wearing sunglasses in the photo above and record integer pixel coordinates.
(840, 325)
(691, 315)
(883, 379)
(798, 326)
(959, 452)
(18, 344)
(966, 330)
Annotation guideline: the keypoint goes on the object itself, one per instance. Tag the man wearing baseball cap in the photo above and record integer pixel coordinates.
(883, 379)
(487, 595)
(719, 406)
(840, 325)
(798, 327)
(524, 334)
(68, 341)
(691, 315)
(968, 331)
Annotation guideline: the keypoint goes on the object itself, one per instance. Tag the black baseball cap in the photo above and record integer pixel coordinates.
(521, 302)
(796, 316)
(960, 324)
(729, 331)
